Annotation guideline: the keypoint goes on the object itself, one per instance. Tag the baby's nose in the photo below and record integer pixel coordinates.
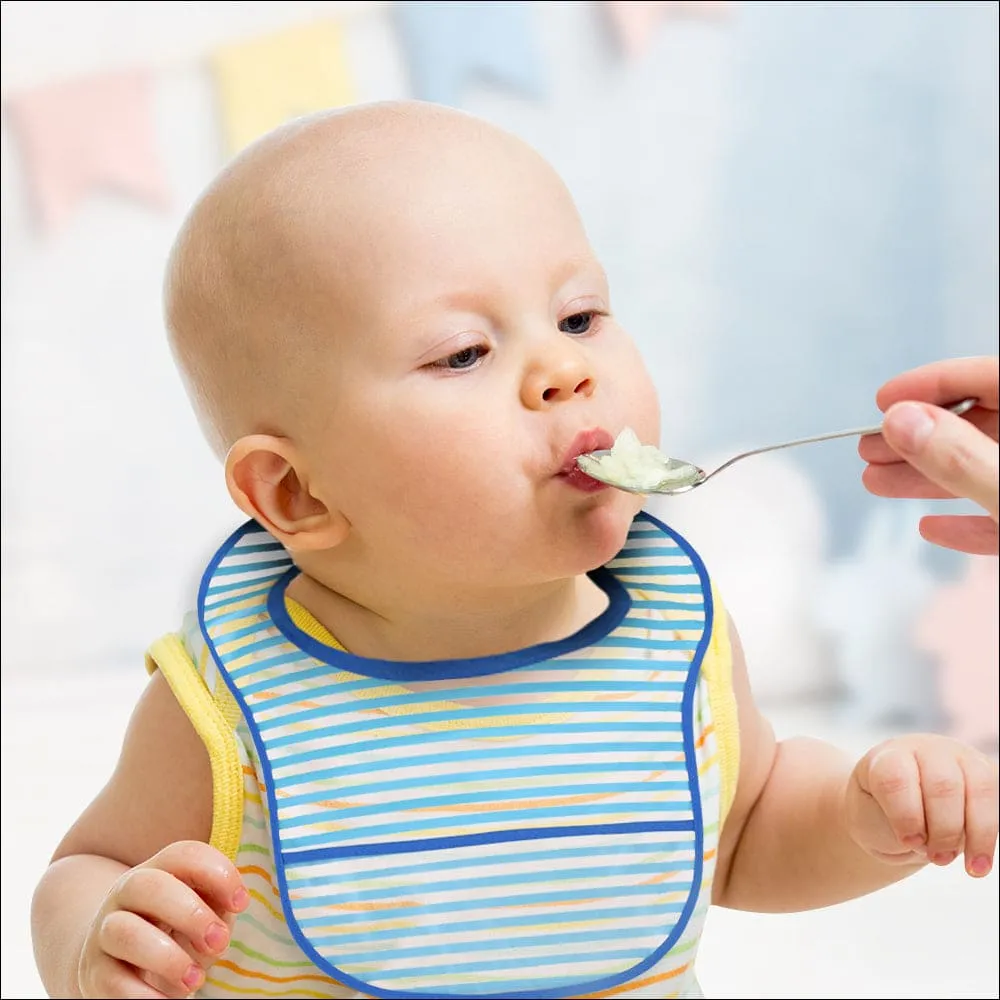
(566, 378)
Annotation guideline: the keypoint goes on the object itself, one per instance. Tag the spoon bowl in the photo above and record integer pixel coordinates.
(677, 476)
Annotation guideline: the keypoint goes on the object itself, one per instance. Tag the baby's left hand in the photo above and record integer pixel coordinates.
(925, 798)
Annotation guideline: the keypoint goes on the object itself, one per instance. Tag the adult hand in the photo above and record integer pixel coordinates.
(927, 452)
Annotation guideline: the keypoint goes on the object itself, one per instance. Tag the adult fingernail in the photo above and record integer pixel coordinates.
(240, 898)
(216, 937)
(980, 866)
(193, 977)
(910, 425)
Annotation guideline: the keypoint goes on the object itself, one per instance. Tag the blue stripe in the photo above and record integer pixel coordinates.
(543, 750)
(229, 616)
(266, 664)
(488, 944)
(228, 588)
(658, 550)
(231, 600)
(274, 566)
(667, 588)
(491, 965)
(498, 923)
(618, 641)
(347, 811)
(271, 546)
(461, 736)
(423, 780)
(678, 624)
(468, 711)
(323, 670)
(585, 896)
(535, 813)
(693, 607)
(597, 857)
(606, 726)
(256, 666)
(241, 633)
(626, 572)
(474, 881)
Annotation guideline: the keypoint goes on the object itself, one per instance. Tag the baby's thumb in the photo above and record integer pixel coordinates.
(948, 450)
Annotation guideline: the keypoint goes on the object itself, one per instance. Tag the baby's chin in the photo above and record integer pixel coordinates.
(601, 532)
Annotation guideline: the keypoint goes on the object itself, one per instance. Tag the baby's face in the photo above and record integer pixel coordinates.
(476, 357)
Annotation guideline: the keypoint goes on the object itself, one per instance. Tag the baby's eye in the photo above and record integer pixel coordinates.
(468, 357)
(578, 323)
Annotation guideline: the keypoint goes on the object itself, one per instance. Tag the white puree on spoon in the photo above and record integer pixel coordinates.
(632, 464)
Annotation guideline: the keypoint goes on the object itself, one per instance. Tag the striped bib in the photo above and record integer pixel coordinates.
(529, 824)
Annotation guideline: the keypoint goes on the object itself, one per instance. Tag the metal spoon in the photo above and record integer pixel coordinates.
(681, 477)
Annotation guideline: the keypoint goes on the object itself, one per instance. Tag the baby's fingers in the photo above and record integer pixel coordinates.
(943, 783)
(980, 814)
(165, 900)
(136, 942)
(894, 783)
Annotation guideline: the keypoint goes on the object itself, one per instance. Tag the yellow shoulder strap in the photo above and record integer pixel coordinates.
(718, 670)
(210, 721)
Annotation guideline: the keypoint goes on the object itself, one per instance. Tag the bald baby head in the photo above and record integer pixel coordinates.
(281, 262)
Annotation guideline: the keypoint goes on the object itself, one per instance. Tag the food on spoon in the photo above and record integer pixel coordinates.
(632, 465)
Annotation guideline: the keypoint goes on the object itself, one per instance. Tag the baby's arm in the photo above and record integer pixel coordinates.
(809, 828)
(134, 891)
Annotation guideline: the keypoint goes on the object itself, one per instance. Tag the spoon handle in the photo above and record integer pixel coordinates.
(957, 408)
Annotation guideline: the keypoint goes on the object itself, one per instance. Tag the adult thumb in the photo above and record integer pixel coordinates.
(949, 451)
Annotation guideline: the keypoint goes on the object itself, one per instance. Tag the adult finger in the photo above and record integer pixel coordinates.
(947, 450)
(945, 382)
(873, 447)
(963, 532)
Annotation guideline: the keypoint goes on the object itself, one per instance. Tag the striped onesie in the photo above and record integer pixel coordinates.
(541, 823)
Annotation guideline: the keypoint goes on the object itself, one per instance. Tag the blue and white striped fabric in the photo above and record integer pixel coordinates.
(522, 825)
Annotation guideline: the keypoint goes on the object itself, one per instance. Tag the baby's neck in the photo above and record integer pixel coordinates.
(498, 623)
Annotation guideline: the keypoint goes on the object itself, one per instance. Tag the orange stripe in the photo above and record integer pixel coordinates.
(306, 978)
(246, 991)
(640, 983)
(710, 728)
(260, 873)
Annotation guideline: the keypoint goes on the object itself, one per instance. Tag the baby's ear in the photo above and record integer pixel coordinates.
(264, 479)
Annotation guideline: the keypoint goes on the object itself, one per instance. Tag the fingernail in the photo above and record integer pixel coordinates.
(980, 866)
(240, 898)
(193, 977)
(216, 937)
(944, 857)
(910, 425)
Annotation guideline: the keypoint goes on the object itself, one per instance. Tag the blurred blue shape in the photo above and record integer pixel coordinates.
(860, 137)
(449, 45)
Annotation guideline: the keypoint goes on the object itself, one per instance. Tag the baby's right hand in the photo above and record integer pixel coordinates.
(162, 925)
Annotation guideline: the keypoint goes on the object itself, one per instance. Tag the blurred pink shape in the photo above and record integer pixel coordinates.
(636, 22)
(86, 133)
(960, 629)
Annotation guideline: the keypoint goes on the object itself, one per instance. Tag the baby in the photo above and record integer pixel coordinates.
(451, 718)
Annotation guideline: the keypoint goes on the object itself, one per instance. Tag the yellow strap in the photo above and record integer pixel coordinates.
(309, 624)
(718, 671)
(171, 658)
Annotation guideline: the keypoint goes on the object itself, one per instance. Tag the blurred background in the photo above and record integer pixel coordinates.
(794, 201)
